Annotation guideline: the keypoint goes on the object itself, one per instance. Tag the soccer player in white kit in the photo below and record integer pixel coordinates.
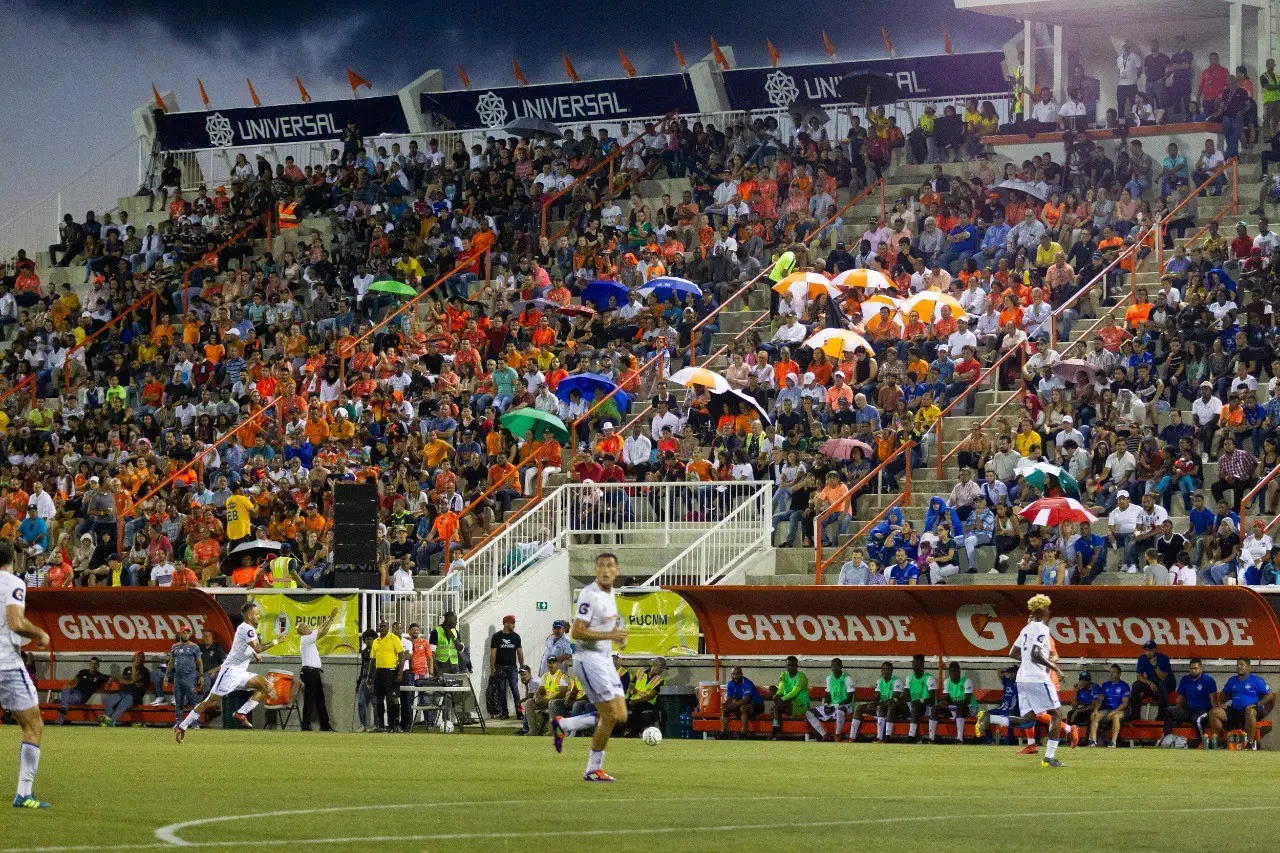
(1036, 691)
(17, 692)
(596, 627)
(234, 674)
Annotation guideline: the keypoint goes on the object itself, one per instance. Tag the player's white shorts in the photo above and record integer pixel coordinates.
(598, 677)
(17, 692)
(1037, 697)
(229, 681)
(828, 712)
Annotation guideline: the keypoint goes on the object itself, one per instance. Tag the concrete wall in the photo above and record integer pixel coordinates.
(546, 582)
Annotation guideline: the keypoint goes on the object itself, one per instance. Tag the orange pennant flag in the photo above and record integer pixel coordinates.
(356, 81)
(462, 75)
(626, 63)
(679, 55)
(302, 90)
(569, 69)
(718, 54)
(252, 93)
(204, 96)
(774, 56)
(159, 100)
(520, 78)
(946, 40)
(888, 45)
(828, 46)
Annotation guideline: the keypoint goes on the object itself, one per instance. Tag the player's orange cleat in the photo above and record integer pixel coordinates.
(597, 776)
(1029, 749)
(1075, 736)
(179, 733)
(243, 720)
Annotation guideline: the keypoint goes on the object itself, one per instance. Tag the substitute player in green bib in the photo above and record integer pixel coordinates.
(839, 702)
(885, 707)
(792, 698)
(957, 689)
(922, 689)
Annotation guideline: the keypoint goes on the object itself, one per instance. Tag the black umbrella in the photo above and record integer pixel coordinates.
(804, 110)
(530, 128)
(869, 90)
(258, 549)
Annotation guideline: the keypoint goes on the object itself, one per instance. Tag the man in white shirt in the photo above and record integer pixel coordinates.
(1123, 524)
(664, 419)
(1147, 531)
(1267, 240)
(636, 451)
(313, 703)
(1204, 411)
(42, 501)
(791, 333)
(962, 337)
(1044, 112)
(162, 574)
(1129, 66)
(1072, 112)
(1069, 433)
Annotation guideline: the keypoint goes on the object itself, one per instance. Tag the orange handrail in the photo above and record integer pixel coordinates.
(150, 296)
(613, 155)
(1234, 207)
(1251, 494)
(1106, 315)
(631, 184)
(30, 378)
(819, 563)
(599, 401)
(973, 387)
(345, 351)
(506, 522)
(212, 255)
(876, 519)
(226, 436)
(1093, 282)
(809, 238)
(466, 510)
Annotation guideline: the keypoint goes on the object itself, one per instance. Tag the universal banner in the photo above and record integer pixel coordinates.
(939, 76)
(1208, 622)
(613, 100)
(282, 613)
(125, 619)
(658, 623)
(269, 125)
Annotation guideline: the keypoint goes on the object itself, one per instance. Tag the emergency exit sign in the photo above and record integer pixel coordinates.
(542, 605)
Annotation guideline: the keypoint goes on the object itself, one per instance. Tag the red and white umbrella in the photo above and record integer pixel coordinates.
(1050, 512)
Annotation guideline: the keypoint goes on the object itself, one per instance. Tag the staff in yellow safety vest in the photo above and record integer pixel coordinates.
(280, 573)
(642, 703)
(555, 688)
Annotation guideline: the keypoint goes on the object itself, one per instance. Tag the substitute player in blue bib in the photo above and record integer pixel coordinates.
(1246, 698)
(596, 627)
(1036, 691)
(1006, 713)
(17, 692)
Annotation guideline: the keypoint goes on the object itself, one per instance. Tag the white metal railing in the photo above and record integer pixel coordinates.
(745, 531)
(99, 188)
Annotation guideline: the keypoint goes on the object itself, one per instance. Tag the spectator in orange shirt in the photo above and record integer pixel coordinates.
(444, 531)
(833, 496)
(609, 441)
(549, 453)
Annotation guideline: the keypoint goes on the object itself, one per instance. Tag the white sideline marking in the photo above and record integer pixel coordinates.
(468, 836)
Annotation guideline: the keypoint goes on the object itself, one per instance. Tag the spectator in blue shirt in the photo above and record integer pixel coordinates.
(1113, 709)
(1154, 681)
(962, 242)
(1088, 698)
(994, 241)
(1201, 522)
(1246, 699)
(34, 532)
(902, 571)
(1195, 699)
(742, 701)
(1087, 555)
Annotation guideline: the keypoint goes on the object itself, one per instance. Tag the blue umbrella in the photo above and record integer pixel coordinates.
(591, 385)
(599, 292)
(668, 286)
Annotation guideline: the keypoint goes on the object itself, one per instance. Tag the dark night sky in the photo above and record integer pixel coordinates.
(80, 67)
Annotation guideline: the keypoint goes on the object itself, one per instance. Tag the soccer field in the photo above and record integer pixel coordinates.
(135, 789)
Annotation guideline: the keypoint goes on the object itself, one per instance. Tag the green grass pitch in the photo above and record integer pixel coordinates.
(135, 789)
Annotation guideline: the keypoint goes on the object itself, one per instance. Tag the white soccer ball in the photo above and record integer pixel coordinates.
(652, 736)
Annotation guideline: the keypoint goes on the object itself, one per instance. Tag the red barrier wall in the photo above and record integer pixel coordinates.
(129, 619)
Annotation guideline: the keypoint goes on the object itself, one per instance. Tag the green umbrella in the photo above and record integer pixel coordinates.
(398, 288)
(1036, 476)
(528, 418)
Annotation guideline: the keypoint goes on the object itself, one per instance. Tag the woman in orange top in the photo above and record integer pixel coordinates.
(1051, 213)
(820, 367)
(1011, 313)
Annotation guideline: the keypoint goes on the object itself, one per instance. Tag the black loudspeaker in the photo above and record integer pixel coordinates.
(354, 552)
(355, 503)
(356, 580)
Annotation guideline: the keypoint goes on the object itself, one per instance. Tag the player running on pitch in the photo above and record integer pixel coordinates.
(596, 627)
(1036, 691)
(17, 693)
(234, 674)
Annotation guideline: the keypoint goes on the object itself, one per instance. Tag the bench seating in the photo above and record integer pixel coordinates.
(145, 715)
(1134, 732)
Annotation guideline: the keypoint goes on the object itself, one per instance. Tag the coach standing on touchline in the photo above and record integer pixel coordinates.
(312, 670)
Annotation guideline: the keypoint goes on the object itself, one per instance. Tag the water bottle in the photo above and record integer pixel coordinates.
(686, 724)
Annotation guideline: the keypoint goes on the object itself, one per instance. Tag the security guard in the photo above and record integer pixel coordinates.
(445, 644)
(642, 703)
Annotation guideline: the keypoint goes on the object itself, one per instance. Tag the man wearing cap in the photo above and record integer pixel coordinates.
(1123, 523)
(1154, 682)
(1205, 411)
(506, 656)
(556, 644)
(1087, 700)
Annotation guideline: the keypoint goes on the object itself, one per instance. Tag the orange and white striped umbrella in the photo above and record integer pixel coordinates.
(690, 376)
(868, 279)
(928, 304)
(871, 308)
(836, 342)
(806, 283)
